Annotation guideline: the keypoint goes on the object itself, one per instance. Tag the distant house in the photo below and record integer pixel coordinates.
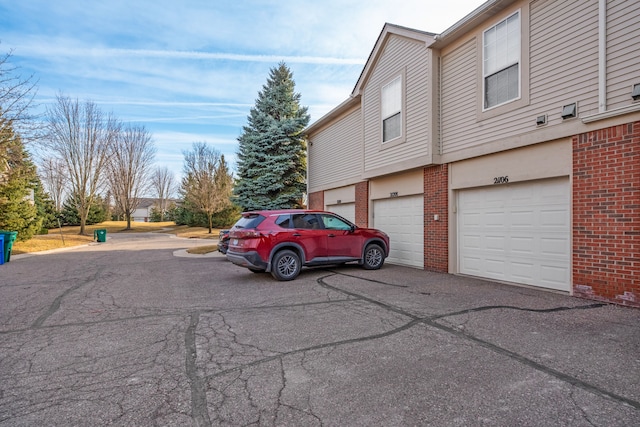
(143, 212)
(145, 207)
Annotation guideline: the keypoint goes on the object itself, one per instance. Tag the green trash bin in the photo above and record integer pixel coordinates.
(9, 238)
(100, 234)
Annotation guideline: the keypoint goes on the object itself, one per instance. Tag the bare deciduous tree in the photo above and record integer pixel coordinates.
(53, 174)
(164, 186)
(203, 184)
(16, 97)
(81, 135)
(129, 168)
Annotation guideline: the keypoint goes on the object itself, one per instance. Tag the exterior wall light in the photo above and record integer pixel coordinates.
(569, 111)
(635, 93)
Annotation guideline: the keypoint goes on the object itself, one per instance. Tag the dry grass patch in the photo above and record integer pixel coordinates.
(195, 232)
(54, 240)
(120, 227)
(201, 250)
(50, 241)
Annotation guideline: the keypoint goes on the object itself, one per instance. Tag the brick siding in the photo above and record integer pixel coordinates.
(316, 200)
(436, 233)
(362, 204)
(606, 215)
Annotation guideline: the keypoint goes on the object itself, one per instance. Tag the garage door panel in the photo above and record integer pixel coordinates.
(551, 246)
(553, 217)
(471, 265)
(522, 218)
(522, 270)
(494, 219)
(402, 219)
(495, 243)
(495, 268)
(517, 232)
(522, 245)
(345, 210)
(550, 274)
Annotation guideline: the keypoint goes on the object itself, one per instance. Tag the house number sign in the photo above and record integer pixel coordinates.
(393, 194)
(501, 179)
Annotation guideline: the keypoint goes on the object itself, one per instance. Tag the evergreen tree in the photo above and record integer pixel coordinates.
(97, 211)
(17, 181)
(272, 159)
(45, 206)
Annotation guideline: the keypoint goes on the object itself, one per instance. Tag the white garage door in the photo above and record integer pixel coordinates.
(402, 219)
(517, 233)
(345, 210)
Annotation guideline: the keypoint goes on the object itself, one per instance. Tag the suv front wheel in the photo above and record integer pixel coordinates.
(286, 265)
(373, 257)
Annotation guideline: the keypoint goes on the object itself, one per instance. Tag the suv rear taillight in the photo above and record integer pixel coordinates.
(246, 234)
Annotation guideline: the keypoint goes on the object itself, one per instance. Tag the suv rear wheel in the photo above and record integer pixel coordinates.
(373, 257)
(286, 265)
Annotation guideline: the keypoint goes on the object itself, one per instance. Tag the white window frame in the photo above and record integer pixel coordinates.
(397, 106)
(510, 62)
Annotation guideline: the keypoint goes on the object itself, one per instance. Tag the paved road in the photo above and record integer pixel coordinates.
(126, 333)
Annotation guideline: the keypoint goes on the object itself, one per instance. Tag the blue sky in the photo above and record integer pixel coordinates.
(190, 70)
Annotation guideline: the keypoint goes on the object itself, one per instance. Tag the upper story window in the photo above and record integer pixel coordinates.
(501, 62)
(392, 110)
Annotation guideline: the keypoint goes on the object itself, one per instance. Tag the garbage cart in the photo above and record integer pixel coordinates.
(9, 238)
(100, 234)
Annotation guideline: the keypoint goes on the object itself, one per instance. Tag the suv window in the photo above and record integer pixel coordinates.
(306, 221)
(249, 221)
(284, 221)
(334, 223)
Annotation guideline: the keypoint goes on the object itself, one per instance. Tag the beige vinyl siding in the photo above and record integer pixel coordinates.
(409, 58)
(335, 153)
(564, 57)
(459, 75)
(562, 68)
(623, 60)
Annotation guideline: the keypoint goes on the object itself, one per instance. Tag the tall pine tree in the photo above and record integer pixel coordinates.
(272, 160)
(17, 181)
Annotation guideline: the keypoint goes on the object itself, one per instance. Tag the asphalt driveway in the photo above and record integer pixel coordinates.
(130, 333)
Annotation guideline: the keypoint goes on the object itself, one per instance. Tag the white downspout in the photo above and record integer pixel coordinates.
(602, 56)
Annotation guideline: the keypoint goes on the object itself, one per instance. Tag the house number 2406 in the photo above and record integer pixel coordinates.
(501, 179)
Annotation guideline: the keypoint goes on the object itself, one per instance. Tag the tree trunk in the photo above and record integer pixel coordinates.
(83, 220)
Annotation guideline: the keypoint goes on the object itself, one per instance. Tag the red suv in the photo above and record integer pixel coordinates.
(282, 241)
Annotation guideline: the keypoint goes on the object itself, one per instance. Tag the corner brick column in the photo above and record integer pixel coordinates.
(362, 204)
(316, 200)
(606, 214)
(436, 232)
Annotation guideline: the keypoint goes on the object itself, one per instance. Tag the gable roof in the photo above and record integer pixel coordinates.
(470, 21)
(387, 31)
(432, 40)
(354, 99)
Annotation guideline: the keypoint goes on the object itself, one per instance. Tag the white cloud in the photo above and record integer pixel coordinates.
(191, 70)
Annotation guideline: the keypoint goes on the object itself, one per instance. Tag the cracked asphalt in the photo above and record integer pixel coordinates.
(128, 333)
